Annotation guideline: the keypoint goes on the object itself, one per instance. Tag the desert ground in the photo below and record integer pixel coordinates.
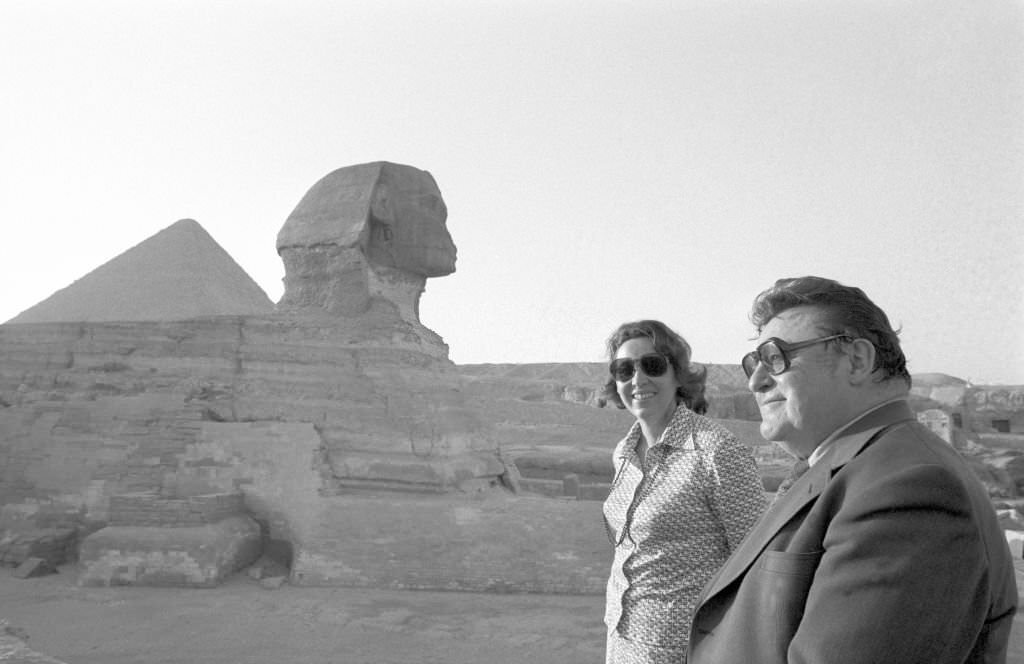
(242, 622)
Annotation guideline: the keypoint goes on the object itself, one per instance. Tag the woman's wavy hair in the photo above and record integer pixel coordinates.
(675, 349)
(845, 310)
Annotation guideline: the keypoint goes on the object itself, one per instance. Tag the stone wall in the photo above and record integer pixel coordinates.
(155, 510)
(96, 410)
(994, 409)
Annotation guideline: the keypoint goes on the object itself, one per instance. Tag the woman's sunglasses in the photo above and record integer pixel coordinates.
(652, 364)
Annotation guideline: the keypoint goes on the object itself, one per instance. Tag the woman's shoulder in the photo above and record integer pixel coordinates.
(628, 441)
(708, 433)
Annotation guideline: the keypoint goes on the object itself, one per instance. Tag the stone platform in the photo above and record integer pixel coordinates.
(197, 556)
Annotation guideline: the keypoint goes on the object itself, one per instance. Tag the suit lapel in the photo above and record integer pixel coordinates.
(805, 490)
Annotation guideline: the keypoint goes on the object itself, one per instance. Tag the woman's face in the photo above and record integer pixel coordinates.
(650, 398)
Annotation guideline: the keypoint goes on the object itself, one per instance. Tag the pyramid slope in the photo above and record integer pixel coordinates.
(180, 272)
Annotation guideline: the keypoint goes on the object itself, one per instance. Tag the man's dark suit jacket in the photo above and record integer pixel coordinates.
(886, 550)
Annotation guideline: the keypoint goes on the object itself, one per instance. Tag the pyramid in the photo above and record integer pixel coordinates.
(181, 272)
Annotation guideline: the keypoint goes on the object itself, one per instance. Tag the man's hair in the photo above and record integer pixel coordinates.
(845, 310)
(675, 349)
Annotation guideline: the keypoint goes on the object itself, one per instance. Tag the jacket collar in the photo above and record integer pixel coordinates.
(845, 444)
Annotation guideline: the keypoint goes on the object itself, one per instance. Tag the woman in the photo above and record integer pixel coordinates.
(685, 493)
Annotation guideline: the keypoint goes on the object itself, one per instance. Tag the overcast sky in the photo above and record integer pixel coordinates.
(601, 161)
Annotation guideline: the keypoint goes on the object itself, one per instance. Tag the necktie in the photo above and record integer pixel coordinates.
(799, 468)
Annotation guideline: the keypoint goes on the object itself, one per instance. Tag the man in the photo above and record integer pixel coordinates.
(887, 549)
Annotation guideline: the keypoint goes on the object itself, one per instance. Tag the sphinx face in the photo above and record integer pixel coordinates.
(407, 227)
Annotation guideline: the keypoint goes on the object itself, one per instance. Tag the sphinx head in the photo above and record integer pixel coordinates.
(372, 230)
(406, 223)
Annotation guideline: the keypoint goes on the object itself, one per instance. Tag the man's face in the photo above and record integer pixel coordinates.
(803, 405)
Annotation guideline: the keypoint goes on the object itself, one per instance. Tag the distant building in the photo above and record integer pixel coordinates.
(939, 421)
(994, 409)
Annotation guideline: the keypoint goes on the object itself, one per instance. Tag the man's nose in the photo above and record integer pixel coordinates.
(760, 379)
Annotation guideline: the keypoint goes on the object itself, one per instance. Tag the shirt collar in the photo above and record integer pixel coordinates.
(676, 434)
(829, 442)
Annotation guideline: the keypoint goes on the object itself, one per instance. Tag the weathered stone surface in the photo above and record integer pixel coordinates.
(33, 567)
(15, 650)
(147, 508)
(124, 407)
(273, 582)
(181, 272)
(21, 541)
(198, 557)
(365, 234)
(995, 409)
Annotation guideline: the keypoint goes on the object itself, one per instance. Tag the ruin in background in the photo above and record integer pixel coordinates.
(166, 422)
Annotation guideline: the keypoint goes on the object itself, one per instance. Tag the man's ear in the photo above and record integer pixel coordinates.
(862, 360)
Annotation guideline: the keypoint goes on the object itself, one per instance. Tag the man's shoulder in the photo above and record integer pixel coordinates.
(911, 441)
(907, 458)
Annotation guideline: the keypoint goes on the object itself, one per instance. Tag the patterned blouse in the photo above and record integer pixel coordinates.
(673, 524)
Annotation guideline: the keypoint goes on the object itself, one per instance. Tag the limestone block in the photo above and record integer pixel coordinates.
(21, 543)
(33, 567)
(511, 477)
(152, 509)
(597, 491)
(571, 485)
(273, 582)
(587, 466)
(189, 557)
(549, 488)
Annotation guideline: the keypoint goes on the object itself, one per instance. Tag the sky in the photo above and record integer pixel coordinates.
(601, 161)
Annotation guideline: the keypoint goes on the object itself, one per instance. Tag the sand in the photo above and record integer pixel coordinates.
(241, 622)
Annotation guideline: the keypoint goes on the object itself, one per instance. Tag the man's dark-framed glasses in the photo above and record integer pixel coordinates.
(652, 364)
(775, 353)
